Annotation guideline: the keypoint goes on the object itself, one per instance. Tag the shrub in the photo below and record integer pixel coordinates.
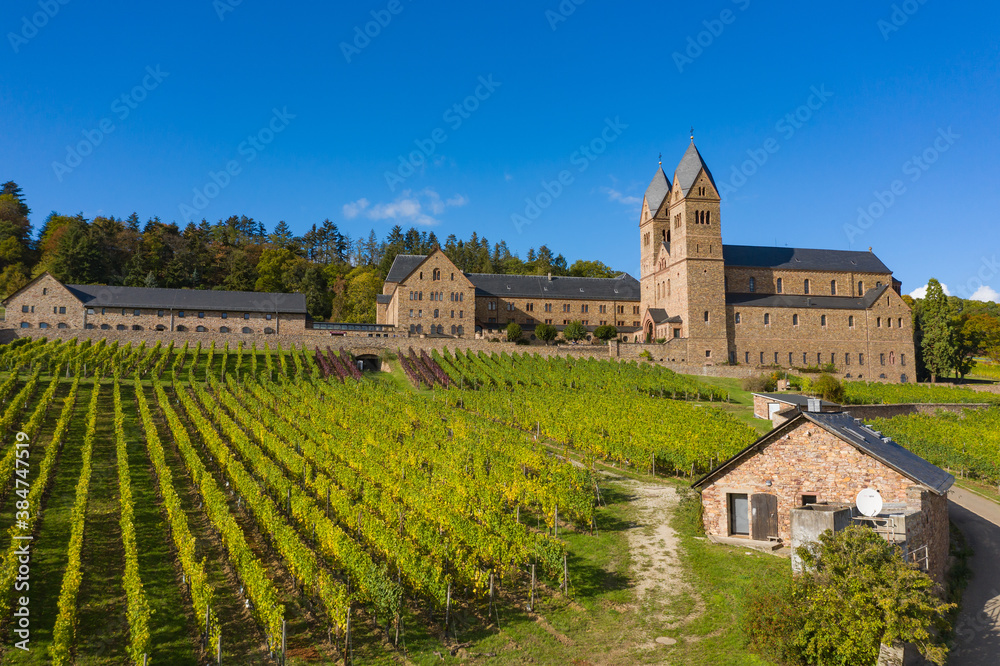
(575, 331)
(661, 341)
(513, 332)
(771, 621)
(762, 384)
(646, 355)
(605, 332)
(830, 368)
(546, 332)
(522, 341)
(828, 388)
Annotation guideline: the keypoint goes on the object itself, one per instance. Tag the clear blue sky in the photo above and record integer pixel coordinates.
(919, 84)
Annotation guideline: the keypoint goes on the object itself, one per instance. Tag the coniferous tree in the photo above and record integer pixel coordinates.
(939, 344)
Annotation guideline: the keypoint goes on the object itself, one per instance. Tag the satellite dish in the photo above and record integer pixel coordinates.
(869, 502)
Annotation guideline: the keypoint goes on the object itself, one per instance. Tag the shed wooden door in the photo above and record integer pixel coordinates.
(763, 516)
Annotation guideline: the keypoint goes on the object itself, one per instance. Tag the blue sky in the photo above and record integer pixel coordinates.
(292, 112)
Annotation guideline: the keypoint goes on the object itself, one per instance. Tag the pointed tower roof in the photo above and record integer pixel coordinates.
(689, 168)
(657, 191)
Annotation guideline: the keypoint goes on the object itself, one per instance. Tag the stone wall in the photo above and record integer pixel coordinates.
(436, 297)
(925, 529)
(872, 412)
(805, 460)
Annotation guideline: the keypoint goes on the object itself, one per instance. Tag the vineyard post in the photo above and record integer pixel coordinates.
(208, 627)
(565, 575)
(284, 637)
(447, 609)
(218, 649)
(555, 522)
(531, 605)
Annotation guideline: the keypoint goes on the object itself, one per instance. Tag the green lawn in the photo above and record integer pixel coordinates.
(741, 402)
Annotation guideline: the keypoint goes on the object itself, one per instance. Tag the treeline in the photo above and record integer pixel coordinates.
(339, 275)
(951, 332)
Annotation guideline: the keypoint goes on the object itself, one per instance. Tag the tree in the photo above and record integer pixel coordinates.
(605, 332)
(546, 332)
(12, 189)
(859, 592)
(574, 331)
(273, 269)
(828, 388)
(984, 331)
(317, 296)
(939, 345)
(513, 332)
(597, 269)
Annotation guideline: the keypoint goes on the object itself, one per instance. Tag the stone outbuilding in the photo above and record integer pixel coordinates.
(819, 458)
(766, 405)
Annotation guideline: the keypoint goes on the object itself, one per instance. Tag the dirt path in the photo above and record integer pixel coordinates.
(977, 630)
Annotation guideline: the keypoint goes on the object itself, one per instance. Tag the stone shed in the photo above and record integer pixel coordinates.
(828, 458)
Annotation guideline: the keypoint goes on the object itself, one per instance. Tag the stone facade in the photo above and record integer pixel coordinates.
(435, 299)
(804, 462)
(46, 304)
(684, 272)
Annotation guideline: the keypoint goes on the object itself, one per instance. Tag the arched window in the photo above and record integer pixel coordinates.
(105, 327)
(436, 275)
(25, 324)
(247, 330)
(181, 328)
(44, 325)
(420, 329)
(753, 285)
(833, 287)
(795, 319)
(161, 327)
(200, 329)
(708, 217)
(136, 327)
(120, 327)
(767, 319)
(223, 329)
(861, 288)
(461, 331)
(850, 321)
(453, 329)
(778, 286)
(269, 331)
(805, 286)
(892, 358)
(62, 325)
(822, 320)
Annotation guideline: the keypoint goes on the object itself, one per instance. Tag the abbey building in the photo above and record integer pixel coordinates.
(703, 301)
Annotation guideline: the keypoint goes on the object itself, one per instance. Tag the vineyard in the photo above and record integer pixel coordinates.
(873, 393)
(967, 443)
(300, 504)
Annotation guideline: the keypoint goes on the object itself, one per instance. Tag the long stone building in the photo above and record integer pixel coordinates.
(706, 302)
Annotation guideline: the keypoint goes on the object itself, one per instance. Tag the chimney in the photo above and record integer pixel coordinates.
(550, 277)
(814, 405)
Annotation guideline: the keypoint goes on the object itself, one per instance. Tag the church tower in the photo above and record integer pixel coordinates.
(687, 277)
(654, 231)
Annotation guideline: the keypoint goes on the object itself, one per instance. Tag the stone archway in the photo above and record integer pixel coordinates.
(649, 332)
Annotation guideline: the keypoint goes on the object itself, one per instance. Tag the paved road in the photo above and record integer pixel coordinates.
(977, 630)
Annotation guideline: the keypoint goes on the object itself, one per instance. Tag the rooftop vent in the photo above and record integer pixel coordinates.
(814, 405)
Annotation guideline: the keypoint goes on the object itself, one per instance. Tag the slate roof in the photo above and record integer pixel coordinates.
(187, 299)
(803, 259)
(659, 316)
(689, 167)
(861, 437)
(884, 450)
(807, 302)
(794, 399)
(657, 191)
(383, 298)
(621, 288)
(403, 265)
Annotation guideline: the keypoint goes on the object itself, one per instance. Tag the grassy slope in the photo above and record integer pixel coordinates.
(741, 405)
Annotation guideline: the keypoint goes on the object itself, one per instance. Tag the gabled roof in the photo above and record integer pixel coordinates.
(793, 399)
(861, 437)
(807, 302)
(187, 299)
(657, 191)
(624, 287)
(659, 316)
(383, 298)
(403, 265)
(688, 169)
(847, 261)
